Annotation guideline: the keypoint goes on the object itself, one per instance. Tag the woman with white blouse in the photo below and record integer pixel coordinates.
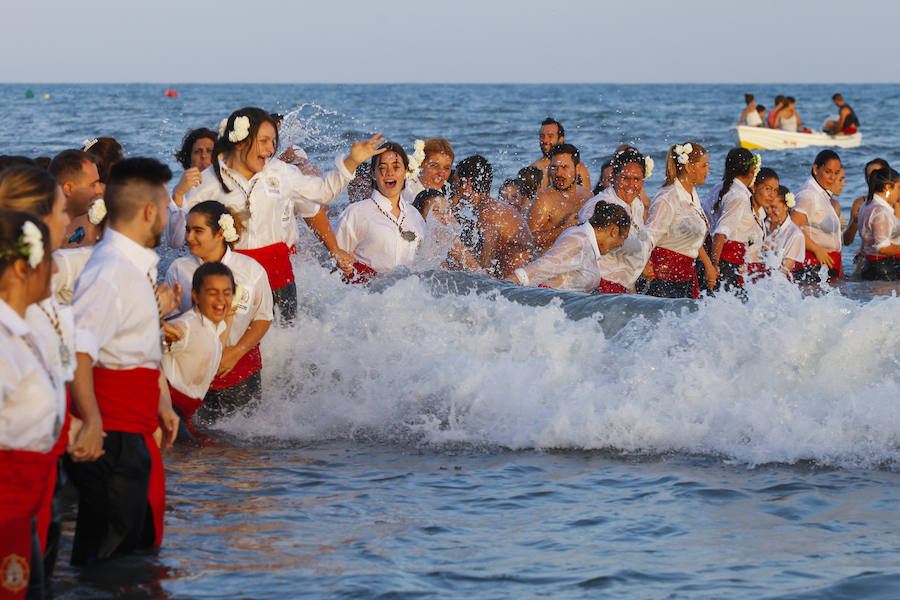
(816, 217)
(573, 261)
(784, 240)
(385, 231)
(265, 193)
(32, 399)
(212, 231)
(880, 228)
(677, 226)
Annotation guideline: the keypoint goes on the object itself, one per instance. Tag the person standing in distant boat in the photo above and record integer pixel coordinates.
(816, 217)
(750, 117)
(552, 134)
(779, 104)
(847, 123)
(788, 119)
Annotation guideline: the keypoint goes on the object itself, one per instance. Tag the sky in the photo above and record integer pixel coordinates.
(455, 41)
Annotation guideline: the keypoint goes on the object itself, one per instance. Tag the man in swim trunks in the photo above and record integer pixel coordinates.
(847, 123)
(552, 133)
(556, 208)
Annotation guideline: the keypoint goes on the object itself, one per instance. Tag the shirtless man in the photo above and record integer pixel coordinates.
(505, 240)
(556, 208)
(552, 134)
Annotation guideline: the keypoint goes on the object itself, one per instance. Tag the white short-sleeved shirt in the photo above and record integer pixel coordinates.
(369, 231)
(252, 297)
(823, 225)
(785, 242)
(753, 119)
(69, 264)
(32, 402)
(571, 263)
(266, 203)
(738, 223)
(116, 312)
(635, 208)
(676, 220)
(878, 226)
(190, 364)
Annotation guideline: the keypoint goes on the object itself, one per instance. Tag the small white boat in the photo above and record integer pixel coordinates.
(763, 138)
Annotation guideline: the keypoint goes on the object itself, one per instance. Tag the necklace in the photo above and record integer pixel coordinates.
(408, 236)
(162, 335)
(246, 193)
(65, 356)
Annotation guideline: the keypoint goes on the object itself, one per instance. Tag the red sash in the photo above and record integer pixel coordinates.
(276, 260)
(249, 364)
(129, 401)
(23, 482)
(849, 130)
(361, 274)
(611, 287)
(669, 265)
(880, 256)
(811, 260)
(46, 510)
(733, 252)
(186, 405)
(756, 271)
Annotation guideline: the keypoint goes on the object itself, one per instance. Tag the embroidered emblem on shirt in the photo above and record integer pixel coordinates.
(241, 300)
(14, 572)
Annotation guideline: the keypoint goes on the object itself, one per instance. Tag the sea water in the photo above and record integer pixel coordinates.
(441, 435)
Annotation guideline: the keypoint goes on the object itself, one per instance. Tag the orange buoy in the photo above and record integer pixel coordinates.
(170, 93)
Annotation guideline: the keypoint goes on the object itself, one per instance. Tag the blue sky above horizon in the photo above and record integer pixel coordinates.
(459, 41)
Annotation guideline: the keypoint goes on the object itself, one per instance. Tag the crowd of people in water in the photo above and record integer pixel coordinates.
(784, 116)
(106, 361)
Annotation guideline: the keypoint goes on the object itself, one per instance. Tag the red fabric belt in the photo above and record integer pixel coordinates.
(249, 364)
(611, 287)
(129, 402)
(849, 130)
(187, 405)
(46, 510)
(811, 260)
(361, 274)
(880, 256)
(757, 270)
(733, 252)
(276, 260)
(669, 265)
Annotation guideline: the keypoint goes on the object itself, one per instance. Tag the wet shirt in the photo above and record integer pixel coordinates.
(878, 226)
(823, 225)
(635, 208)
(676, 220)
(571, 263)
(190, 364)
(785, 242)
(738, 222)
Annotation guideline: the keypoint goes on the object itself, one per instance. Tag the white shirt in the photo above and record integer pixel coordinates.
(252, 296)
(738, 222)
(69, 264)
(190, 364)
(786, 242)
(32, 404)
(878, 226)
(676, 220)
(58, 346)
(369, 231)
(275, 194)
(635, 208)
(411, 189)
(753, 119)
(708, 202)
(116, 314)
(823, 225)
(571, 263)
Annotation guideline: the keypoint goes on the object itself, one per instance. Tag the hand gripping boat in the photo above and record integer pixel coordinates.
(763, 138)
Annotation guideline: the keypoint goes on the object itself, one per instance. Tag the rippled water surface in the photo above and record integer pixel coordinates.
(441, 435)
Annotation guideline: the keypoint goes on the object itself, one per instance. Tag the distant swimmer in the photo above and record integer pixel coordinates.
(847, 123)
(556, 208)
(552, 133)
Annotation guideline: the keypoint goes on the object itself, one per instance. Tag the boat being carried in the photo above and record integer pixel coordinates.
(763, 138)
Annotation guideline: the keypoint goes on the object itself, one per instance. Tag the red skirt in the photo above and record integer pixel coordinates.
(880, 256)
(734, 252)
(669, 265)
(129, 402)
(23, 483)
(186, 405)
(249, 364)
(46, 511)
(276, 260)
(611, 287)
(811, 260)
(361, 274)
(757, 270)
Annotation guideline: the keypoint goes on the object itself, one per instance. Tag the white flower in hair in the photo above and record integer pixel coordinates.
(789, 200)
(97, 211)
(682, 153)
(648, 167)
(756, 161)
(416, 160)
(226, 222)
(34, 243)
(240, 131)
(222, 126)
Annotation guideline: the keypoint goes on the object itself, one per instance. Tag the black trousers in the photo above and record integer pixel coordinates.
(670, 289)
(886, 269)
(285, 299)
(114, 515)
(225, 402)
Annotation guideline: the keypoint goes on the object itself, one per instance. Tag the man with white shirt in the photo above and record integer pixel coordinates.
(118, 389)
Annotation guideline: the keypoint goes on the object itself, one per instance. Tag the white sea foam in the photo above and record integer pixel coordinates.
(783, 377)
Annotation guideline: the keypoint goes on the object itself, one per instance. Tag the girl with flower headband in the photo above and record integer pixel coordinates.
(817, 219)
(784, 243)
(212, 232)
(880, 228)
(677, 226)
(384, 231)
(429, 168)
(739, 230)
(32, 400)
(265, 193)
